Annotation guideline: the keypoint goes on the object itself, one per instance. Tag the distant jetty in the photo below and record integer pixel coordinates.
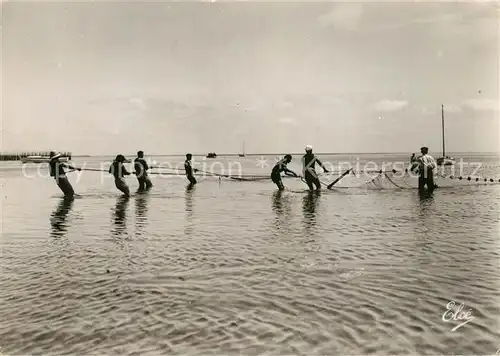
(18, 156)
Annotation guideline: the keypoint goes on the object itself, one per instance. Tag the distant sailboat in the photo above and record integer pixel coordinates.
(445, 160)
(243, 150)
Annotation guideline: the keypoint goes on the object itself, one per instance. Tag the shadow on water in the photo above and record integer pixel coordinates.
(58, 218)
(120, 215)
(141, 208)
(309, 205)
(188, 199)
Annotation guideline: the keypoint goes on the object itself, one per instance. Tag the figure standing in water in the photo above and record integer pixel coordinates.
(426, 165)
(309, 171)
(279, 167)
(118, 170)
(57, 171)
(189, 169)
(141, 172)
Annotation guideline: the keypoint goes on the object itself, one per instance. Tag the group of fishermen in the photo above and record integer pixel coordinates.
(117, 169)
(424, 163)
(310, 176)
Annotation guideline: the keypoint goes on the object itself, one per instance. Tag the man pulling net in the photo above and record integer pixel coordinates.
(57, 171)
(279, 167)
(309, 161)
(426, 166)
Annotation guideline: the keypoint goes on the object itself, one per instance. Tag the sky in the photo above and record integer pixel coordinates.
(170, 78)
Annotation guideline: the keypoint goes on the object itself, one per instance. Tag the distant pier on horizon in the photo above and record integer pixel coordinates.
(17, 156)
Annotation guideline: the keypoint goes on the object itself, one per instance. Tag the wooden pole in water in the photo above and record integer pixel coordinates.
(339, 178)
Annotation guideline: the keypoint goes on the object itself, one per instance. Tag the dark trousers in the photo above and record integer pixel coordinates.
(144, 182)
(276, 178)
(312, 178)
(426, 178)
(191, 179)
(122, 186)
(66, 187)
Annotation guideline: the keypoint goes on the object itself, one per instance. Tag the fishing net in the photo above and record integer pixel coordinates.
(202, 174)
(250, 178)
(362, 180)
(405, 180)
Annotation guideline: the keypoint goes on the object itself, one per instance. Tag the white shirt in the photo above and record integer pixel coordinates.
(427, 161)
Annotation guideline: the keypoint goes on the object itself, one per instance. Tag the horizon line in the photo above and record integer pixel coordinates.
(281, 154)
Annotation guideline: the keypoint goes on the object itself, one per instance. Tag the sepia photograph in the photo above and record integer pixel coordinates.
(244, 178)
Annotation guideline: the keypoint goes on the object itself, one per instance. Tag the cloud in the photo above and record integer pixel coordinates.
(284, 105)
(138, 102)
(344, 16)
(390, 105)
(482, 104)
(287, 121)
(452, 109)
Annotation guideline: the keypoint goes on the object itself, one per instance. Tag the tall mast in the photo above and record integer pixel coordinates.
(442, 124)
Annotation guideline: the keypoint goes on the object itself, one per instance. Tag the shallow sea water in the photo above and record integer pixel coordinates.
(235, 267)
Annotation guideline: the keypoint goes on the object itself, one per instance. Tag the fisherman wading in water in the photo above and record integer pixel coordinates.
(57, 171)
(117, 169)
(310, 175)
(189, 170)
(141, 171)
(279, 167)
(426, 165)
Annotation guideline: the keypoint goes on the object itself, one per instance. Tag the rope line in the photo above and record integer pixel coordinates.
(376, 181)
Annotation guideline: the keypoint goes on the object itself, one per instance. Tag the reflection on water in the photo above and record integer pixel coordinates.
(251, 278)
(120, 215)
(425, 195)
(141, 209)
(188, 199)
(281, 205)
(426, 200)
(59, 216)
(309, 205)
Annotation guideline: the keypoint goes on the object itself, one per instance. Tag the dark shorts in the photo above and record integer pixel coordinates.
(276, 178)
(144, 182)
(122, 186)
(191, 179)
(426, 178)
(312, 178)
(66, 187)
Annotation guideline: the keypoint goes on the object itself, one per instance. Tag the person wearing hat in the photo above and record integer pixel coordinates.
(279, 167)
(426, 165)
(141, 172)
(310, 175)
(118, 170)
(57, 171)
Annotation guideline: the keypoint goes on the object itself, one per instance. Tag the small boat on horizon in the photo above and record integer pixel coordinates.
(243, 150)
(211, 155)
